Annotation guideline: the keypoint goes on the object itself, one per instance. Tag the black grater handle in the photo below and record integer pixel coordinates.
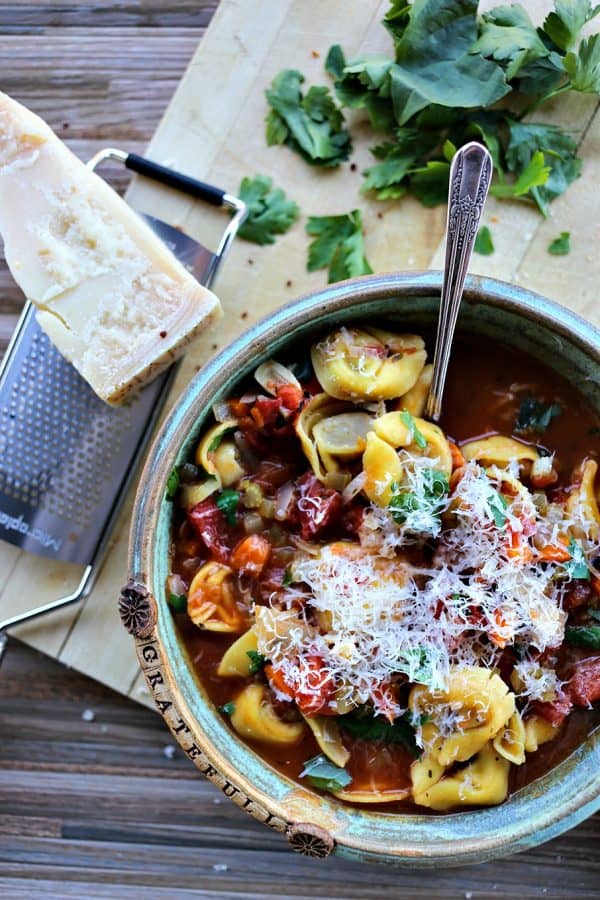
(173, 179)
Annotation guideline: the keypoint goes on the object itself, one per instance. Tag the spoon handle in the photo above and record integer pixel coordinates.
(470, 176)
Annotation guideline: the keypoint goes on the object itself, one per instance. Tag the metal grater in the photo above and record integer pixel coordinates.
(67, 458)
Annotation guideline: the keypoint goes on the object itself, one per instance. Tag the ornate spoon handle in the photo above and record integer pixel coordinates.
(470, 176)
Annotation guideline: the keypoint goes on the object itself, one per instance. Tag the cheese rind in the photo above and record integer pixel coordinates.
(109, 294)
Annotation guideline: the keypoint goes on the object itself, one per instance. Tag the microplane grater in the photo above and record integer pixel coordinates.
(66, 457)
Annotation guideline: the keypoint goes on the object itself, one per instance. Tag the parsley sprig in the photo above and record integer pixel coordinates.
(270, 212)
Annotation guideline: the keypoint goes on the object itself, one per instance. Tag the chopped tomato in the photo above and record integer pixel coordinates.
(272, 474)
(352, 519)
(556, 553)
(290, 396)
(578, 593)
(208, 523)
(238, 409)
(313, 697)
(385, 700)
(584, 685)
(277, 681)
(266, 411)
(458, 459)
(251, 555)
(554, 711)
(518, 547)
(317, 507)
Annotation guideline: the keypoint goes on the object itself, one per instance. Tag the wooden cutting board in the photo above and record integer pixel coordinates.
(213, 129)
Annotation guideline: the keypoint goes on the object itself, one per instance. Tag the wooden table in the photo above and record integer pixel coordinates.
(95, 799)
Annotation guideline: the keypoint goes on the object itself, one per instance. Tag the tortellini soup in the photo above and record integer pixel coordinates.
(389, 610)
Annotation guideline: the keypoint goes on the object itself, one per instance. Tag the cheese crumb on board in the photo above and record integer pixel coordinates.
(109, 294)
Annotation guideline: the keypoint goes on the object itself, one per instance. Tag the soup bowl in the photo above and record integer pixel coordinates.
(319, 825)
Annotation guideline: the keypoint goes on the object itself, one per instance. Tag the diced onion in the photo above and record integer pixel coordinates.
(285, 496)
(221, 411)
(354, 488)
(176, 585)
(253, 523)
(248, 398)
(272, 375)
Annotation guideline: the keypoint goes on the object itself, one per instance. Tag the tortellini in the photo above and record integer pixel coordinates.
(328, 736)
(499, 450)
(392, 428)
(351, 796)
(483, 782)
(253, 717)
(210, 442)
(510, 740)
(414, 400)
(368, 363)
(480, 705)
(583, 502)
(212, 603)
(317, 411)
(382, 470)
(218, 456)
(538, 731)
(236, 662)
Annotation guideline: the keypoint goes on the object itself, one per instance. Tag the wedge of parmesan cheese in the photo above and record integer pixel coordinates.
(109, 294)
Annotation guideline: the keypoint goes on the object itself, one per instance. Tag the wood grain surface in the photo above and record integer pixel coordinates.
(95, 799)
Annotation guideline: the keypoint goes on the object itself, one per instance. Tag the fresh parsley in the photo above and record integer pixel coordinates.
(498, 506)
(216, 441)
(288, 577)
(587, 636)
(563, 26)
(577, 566)
(325, 775)
(484, 245)
(228, 709)
(337, 245)
(172, 484)
(377, 728)
(533, 415)
(404, 501)
(178, 602)
(228, 502)
(270, 212)
(416, 437)
(257, 661)
(560, 246)
(311, 124)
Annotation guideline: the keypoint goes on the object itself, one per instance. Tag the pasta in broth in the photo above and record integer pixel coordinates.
(388, 613)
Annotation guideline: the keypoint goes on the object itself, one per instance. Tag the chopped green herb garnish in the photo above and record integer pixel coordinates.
(172, 484)
(269, 210)
(498, 506)
(257, 661)
(560, 246)
(178, 602)
(536, 416)
(484, 244)
(577, 566)
(587, 636)
(216, 441)
(310, 124)
(288, 577)
(415, 435)
(228, 502)
(404, 501)
(228, 708)
(377, 728)
(324, 775)
(337, 246)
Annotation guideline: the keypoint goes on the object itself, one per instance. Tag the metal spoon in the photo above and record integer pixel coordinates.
(470, 176)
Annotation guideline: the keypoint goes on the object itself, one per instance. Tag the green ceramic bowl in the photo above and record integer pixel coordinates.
(314, 824)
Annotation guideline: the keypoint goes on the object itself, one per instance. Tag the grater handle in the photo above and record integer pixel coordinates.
(177, 180)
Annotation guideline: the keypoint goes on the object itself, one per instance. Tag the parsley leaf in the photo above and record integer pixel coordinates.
(434, 62)
(577, 566)
(228, 501)
(583, 66)
(377, 728)
(509, 37)
(484, 244)
(172, 484)
(228, 708)
(288, 577)
(177, 602)
(216, 441)
(560, 246)
(419, 664)
(429, 183)
(535, 174)
(338, 245)
(415, 435)
(564, 24)
(269, 210)
(324, 774)
(257, 661)
(533, 415)
(385, 178)
(312, 124)
(498, 506)
(587, 636)
(403, 502)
